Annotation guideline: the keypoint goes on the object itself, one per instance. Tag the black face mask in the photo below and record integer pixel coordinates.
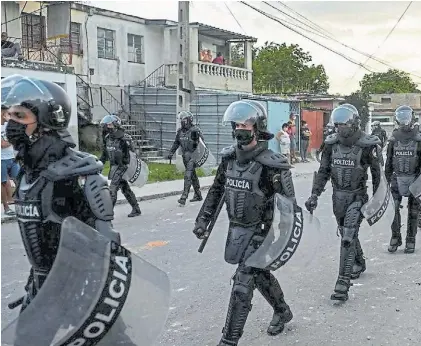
(345, 131)
(243, 137)
(16, 135)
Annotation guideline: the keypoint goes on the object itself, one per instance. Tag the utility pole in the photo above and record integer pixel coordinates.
(183, 69)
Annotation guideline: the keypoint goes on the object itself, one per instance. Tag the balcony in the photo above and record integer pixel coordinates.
(206, 43)
(213, 76)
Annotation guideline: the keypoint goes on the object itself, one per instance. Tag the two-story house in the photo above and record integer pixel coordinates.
(128, 65)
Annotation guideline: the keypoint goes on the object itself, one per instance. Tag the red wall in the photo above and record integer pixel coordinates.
(314, 121)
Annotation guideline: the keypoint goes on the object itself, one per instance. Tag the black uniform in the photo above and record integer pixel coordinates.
(117, 151)
(48, 188)
(403, 166)
(249, 179)
(345, 160)
(187, 138)
(381, 133)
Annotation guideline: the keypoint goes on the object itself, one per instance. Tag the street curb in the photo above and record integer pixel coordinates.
(10, 219)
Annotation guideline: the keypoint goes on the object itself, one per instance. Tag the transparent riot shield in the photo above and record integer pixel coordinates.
(293, 231)
(137, 172)
(179, 164)
(380, 209)
(97, 293)
(204, 158)
(415, 189)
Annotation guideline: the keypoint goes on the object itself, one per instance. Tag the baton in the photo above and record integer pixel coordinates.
(212, 224)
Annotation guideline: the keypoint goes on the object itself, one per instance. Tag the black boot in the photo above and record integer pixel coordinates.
(411, 231)
(197, 197)
(396, 239)
(359, 266)
(347, 260)
(270, 289)
(135, 211)
(238, 311)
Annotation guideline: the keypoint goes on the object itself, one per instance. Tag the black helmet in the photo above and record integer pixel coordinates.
(48, 101)
(351, 107)
(346, 119)
(404, 116)
(248, 111)
(186, 118)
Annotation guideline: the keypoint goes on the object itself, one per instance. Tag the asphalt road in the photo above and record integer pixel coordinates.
(383, 309)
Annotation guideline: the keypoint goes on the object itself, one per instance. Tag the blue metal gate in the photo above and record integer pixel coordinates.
(278, 113)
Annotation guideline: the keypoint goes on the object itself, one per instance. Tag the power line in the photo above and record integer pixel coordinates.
(332, 38)
(232, 14)
(388, 35)
(301, 34)
(305, 18)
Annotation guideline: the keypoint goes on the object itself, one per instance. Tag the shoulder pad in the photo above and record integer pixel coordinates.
(228, 152)
(368, 141)
(418, 137)
(271, 159)
(74, 164)
(332, 139)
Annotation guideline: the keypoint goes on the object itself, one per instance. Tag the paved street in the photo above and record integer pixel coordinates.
(383, 309)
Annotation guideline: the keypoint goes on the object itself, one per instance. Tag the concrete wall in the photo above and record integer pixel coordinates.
(411, 99)
(69, 82)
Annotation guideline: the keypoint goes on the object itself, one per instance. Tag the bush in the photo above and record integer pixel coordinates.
(159, 171)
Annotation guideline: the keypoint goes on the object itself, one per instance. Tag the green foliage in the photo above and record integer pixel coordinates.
(360, 101)
(390, 82)
(282, 69)
(158, 171)
(237, 55)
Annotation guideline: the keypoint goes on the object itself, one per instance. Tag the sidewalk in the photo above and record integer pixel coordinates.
(175, 187)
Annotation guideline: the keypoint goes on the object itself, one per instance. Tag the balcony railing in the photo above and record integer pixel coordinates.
(214, 76)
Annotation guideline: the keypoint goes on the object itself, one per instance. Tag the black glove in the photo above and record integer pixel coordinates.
(169, 157)
(311, 203)
(199, 229)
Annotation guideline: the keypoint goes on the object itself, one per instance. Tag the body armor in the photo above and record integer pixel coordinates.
(114, 150)
(244, 199)
(187, 144)
(347, 172)
(405, 164)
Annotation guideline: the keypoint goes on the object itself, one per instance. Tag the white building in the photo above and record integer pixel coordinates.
(112, 50)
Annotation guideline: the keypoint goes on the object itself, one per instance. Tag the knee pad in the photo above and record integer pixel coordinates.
(348, 236)
(243, 286)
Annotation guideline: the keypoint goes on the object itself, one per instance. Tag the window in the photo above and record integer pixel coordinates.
(135, 48)
(386, 100)
(33, 30)
(106, 43)
(75, 37)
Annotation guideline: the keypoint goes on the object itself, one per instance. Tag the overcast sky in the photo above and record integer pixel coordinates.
(362, 25)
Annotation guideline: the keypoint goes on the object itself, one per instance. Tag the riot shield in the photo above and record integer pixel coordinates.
(97, 293)
(293, 230)
(380, 206)
(415, 189)
(137, 172)
(203, 158)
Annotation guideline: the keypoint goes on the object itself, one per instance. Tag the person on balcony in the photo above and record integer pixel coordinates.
(219, 60)
(10, 49)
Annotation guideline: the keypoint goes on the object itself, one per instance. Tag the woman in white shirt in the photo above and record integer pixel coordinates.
(284, 140)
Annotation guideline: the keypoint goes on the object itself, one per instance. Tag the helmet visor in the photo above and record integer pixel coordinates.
(240, 112)
(26, 92)
(342, 116)
(403, 117)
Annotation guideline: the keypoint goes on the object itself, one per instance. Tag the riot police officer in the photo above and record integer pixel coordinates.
(345, 159)
(248, 177)
(48, 187)
(117, 151)
(378, 131)
(401, 169)
(187, 137)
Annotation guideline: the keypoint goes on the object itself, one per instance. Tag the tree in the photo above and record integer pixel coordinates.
(390, 82)
(360, 101)
(237, 55)
(282, 69)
